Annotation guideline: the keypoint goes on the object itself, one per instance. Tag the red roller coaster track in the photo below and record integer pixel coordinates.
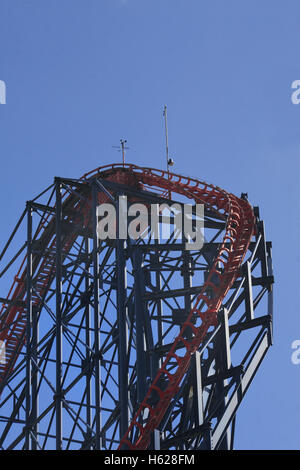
(240, 226)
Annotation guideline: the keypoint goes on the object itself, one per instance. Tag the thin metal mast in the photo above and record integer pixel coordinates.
(123, 142)
(122, 149)
(166, 133)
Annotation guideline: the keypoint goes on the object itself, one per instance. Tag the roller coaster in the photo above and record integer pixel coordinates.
(132, 344)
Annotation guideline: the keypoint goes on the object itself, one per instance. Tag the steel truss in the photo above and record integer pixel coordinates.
(96, 332)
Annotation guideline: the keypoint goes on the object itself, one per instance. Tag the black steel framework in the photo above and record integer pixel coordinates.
(106, 315)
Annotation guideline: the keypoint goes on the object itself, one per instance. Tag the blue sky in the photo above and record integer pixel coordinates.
(82, 74)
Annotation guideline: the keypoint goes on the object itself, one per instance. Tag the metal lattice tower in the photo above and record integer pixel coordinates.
(132, 344)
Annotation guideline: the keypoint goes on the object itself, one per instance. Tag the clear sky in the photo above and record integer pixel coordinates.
(82, 74)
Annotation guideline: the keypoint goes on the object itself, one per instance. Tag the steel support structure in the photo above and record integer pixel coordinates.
(91, 326)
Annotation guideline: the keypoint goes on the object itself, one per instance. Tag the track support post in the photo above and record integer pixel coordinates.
(96, 318)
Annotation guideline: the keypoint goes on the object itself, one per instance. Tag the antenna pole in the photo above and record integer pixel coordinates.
(122, 148)
(167, 143)
(123, 142)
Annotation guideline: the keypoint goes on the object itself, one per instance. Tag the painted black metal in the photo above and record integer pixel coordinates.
(101, 330)
(96, 351)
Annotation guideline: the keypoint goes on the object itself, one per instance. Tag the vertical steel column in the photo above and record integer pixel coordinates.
(156, 260)
(187, 282)
(87, 341)
(160, 330)
(270, 292)
(28, 329)
(139, 323)
(187, 279)
(156, 440)
(157, 358)
(198, 387)
(146, 364)
(122, 331)
(35, 373)
(58, 325)
(98, 443)
(223, 364)
(248, 291)
(263, 249)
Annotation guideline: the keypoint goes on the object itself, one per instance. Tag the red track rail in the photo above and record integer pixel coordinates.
(240, 226)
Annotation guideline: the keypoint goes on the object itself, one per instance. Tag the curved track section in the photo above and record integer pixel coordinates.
(240, 227)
